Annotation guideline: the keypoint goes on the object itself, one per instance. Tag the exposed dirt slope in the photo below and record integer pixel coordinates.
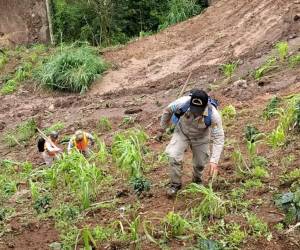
(227, 30)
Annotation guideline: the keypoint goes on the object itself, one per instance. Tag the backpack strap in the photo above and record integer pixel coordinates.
(207, 119)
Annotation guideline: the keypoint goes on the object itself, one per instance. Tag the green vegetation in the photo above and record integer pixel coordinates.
(294, 60)
(55, 127)
(127, 151)
(269, 65)
(180, 10)
(228, 114)
(282, 50)
(271, 109)
(104, 124)
(71, 69)
(290, 203)
(112, 22)
(175, 225)
(21, 134)
(3, 60)
(229, 69)
(211, 204)
(257, 226)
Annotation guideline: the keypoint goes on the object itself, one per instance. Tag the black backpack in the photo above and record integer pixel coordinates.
(41, 144)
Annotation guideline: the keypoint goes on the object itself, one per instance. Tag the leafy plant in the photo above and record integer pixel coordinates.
(104, 124)
(252, 134)
(259, 172)
(229, 69)
(88, 238)
(72, 69)
(127, 151)
(206, 244)
(22, 133)
(290, 203)
(271, 108)
(228, 112)
(269, 65)
(9, 87)
(210, 205)
(282, 50)
(257, 226)
(175, 225)
(42, 204)
(294, 60)
(140, 184)
(253, 184)
(277, 137)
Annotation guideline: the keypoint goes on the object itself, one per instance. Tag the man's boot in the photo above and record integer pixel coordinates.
(173, 189)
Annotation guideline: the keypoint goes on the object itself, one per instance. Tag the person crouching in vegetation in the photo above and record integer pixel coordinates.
(82, 141)
(51, 150)
(197, 121)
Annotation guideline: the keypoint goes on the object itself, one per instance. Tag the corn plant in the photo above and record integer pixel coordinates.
(282, 50)
(74, 173)
(228, 113)
(101, 154)
(34, 190)
(134, 230)
(269, 65)
(127, 151)
(240, 162)
(175, 225)
(277, 137)
(229, 69)
(211, 204)
(88, 238)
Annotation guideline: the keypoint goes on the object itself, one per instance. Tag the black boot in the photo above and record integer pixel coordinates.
(173, 189)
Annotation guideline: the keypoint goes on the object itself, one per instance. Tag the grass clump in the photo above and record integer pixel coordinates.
(104, 124)
(269, 65)
(229, 69)
(175, 225)
(3, 60)
(71, 69)
(282, 50)
(22, 133)
(294, 60)
(256, 225)
(55, 127)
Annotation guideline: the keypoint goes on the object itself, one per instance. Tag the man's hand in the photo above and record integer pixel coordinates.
(213, 171)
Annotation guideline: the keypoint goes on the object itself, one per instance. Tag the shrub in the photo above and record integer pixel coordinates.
(180, 10)
(72, 69)
(257, 226)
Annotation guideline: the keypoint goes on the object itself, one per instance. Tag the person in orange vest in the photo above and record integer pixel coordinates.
(51, 149)
(82, 142)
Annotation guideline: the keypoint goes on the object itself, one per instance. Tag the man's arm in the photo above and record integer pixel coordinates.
(91, 138)
(52, 149)
(171, 109)
(217, 136)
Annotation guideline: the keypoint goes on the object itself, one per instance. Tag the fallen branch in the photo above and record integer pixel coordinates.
(292, 228)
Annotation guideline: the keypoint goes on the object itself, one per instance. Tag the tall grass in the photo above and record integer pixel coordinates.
(71, 69)
(22, 133)
(180, 10)
(282, 50)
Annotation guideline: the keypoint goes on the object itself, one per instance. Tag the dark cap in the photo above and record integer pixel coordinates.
(199, 100)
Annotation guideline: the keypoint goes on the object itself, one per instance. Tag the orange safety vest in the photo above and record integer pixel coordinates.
(82, 146)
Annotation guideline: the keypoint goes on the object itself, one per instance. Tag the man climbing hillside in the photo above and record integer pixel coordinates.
(197, 122)
(50, 148)
(82, 141)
